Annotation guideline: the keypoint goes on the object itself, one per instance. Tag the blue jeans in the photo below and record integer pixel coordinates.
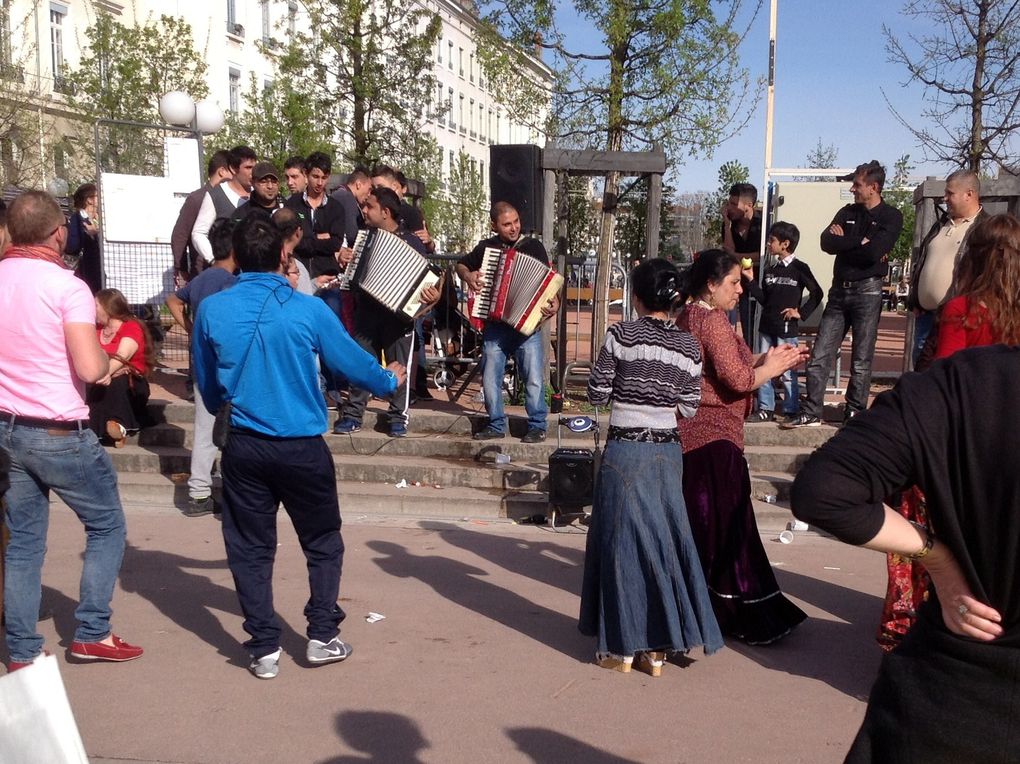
(853, 305)
(500, 341)
(923, 324)
(767, 393)
(78, 469)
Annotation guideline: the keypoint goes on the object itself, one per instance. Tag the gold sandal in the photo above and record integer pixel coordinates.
(650, 663)
(621, 663)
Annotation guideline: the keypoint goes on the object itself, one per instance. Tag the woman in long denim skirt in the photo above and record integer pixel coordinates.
(644, 592)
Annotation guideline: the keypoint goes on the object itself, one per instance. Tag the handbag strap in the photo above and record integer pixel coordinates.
(240, 369)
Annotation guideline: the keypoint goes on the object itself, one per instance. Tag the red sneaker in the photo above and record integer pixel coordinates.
(118, 652)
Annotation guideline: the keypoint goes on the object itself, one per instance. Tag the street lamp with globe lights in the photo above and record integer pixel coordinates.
(201, 117)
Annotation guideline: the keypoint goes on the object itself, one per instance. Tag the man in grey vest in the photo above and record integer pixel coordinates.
(221, 201)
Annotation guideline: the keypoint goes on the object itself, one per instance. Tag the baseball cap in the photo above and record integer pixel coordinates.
(264, 170)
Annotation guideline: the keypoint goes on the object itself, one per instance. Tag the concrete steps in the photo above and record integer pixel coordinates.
(439, 452)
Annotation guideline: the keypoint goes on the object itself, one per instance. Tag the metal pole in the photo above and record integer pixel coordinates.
(770, 106)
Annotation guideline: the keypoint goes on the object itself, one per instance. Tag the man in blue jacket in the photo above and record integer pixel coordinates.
(256, 345)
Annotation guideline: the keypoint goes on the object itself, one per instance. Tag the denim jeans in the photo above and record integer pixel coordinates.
(78, 469)
(857, 306)
(499, 342)
(791, 391)
(923, 324)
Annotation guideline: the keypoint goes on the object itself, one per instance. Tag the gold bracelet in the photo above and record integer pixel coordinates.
(929, 542)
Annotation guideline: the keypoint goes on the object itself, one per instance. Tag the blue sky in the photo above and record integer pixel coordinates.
(831, 68)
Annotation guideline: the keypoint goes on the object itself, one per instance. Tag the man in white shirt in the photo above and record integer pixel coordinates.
(931, 279)
(221, 201)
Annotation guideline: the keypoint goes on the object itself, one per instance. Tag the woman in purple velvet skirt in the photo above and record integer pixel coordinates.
(717, 486)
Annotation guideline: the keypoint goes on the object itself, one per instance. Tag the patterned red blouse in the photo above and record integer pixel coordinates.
(727, 379)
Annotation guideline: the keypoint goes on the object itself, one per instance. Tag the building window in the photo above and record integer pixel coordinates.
(471, 67)
(499, 130)
(57, 41)
(439, 51)
(460, 61)
(266, 27)
(481, 172)
(59, 161)
(460, 113)
(292, 18)
(449, 109)
(231, 15)
(449, 57)
(453, 162)
(235, 90)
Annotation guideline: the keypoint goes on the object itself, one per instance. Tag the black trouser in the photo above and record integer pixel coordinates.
(259, 473)
(395, 350)
(853, 305)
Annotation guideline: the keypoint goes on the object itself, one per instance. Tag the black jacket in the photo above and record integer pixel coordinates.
(880, 225)
(319, 255)
(782, 287)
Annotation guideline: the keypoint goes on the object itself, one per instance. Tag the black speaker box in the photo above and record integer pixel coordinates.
(571, 477)
(515, 176)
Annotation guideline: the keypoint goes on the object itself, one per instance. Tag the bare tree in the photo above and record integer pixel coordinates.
(968, 67)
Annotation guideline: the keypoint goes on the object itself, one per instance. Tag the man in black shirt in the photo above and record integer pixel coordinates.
(860, 236)
(380, 330)
(742, 238)
(352, 195)
(500, 340)
(322, 220)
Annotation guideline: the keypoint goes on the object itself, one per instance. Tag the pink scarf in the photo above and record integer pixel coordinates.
(35, 252)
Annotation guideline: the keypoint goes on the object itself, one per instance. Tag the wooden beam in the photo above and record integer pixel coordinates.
(586, 162)
(653, 224)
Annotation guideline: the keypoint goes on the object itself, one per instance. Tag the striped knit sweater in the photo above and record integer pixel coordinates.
(649, 369)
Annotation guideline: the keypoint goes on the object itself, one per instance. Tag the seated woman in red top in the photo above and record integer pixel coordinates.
(117, 402)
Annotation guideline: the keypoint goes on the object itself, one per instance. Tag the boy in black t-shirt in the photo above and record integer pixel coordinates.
(780, 296)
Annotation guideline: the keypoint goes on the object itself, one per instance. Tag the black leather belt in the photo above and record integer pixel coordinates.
(855, 284)
(44, 424)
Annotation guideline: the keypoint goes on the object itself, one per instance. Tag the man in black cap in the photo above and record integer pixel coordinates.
(265, 192)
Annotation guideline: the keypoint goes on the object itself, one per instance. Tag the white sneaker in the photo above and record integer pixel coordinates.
(333, 651)
(266, 667)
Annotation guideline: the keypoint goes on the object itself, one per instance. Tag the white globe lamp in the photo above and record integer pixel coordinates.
(208, 117)
(177, 108)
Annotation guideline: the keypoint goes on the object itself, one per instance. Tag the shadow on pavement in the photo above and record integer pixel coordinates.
(188, 599)
(841, 653)
(462, 584)
(549, 747)
(383, 737)
(544, 561)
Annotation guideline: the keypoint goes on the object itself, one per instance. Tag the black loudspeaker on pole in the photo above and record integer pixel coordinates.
(515, 176)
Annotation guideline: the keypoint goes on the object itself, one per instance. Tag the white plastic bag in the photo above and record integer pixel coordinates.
(36, 723)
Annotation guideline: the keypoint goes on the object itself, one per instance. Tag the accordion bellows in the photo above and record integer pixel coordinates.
(390, 271)
(516, 288)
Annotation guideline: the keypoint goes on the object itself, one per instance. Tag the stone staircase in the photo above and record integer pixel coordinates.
(447, 474)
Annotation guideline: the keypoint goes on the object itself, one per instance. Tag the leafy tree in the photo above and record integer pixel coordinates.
(631, 237)
(666, 73)
(899, 194)
(366, 70)
(122, 73)
(276, 122)
(822, 157)
(969, 69)
(465, 212)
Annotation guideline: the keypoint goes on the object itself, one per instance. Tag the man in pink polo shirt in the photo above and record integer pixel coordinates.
(48, 352)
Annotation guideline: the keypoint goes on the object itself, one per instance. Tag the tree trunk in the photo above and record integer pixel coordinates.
(604, 252)
(977, 95)
(359, 109)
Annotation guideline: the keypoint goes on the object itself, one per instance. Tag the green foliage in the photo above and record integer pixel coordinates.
(464, 214)
(277, 122)
(901, 196)
(365, 69)
(121, 75)
(630, 231)
(425, 165)
(582, 217)
(729, 173)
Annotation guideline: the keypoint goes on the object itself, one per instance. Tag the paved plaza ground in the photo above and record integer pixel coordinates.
(477, 660)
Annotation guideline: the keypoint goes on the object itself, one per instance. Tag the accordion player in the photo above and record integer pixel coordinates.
(516, 289)
(390, 271)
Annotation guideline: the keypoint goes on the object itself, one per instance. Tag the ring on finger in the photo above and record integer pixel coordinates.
(963, 610)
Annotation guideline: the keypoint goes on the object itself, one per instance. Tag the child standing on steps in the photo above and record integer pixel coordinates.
(780, 295)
